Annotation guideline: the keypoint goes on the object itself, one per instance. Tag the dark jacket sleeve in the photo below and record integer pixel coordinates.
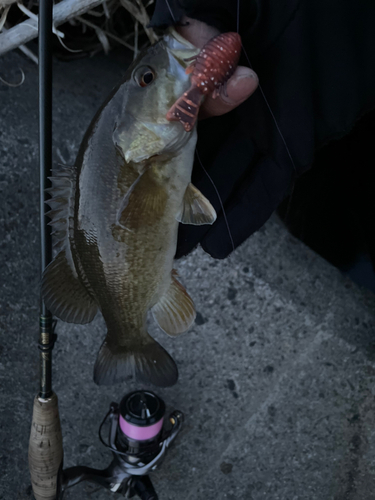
(315, 65)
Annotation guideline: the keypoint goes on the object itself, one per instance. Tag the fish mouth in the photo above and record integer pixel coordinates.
(149, 139)
(163, 144)
(180, 48)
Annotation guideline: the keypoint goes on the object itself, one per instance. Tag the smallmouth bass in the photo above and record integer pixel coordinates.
(115, 215)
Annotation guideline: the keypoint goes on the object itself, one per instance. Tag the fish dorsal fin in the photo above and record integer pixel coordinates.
(196, 209)
(61, 203)
(63, 293)
(143, 204)
(175, 311)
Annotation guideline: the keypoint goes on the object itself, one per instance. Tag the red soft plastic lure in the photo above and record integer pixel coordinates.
(212, 68)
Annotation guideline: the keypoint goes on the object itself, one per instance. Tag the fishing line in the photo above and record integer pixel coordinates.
(273, 118)
(218, 195)
(263, 94)
(170, 10)
(282, 138)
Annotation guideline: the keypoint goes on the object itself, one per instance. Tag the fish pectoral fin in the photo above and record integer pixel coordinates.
(63, 293)
(175, 311)
(196, 209)
(141, 357)
(143, 204)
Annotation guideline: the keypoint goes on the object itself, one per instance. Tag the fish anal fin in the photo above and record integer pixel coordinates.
(145, 359)
(196, 209)
(63, 293)
(143, 204)
(175, 311)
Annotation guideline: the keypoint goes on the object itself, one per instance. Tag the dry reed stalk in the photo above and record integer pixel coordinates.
(71, 11)
(6, 3)
(28, 30)
(3, 17)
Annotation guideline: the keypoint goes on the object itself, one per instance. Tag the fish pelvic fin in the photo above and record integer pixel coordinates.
(146, 360)
(63, 293)
(175, 311)
(196, 209)
(186, 108)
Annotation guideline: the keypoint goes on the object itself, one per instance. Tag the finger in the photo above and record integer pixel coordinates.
(196, 32)
(239, 87)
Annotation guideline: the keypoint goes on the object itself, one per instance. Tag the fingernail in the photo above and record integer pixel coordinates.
(243, 72)
(241, 85)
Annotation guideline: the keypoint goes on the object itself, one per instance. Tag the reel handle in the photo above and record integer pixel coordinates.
(45, 447)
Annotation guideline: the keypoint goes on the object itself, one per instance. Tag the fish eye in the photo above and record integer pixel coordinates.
(144, 76)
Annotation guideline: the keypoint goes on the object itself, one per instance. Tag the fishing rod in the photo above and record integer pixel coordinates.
(139, 433)
(45, 445)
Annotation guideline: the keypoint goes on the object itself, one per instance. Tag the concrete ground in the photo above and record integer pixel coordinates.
(276, 376)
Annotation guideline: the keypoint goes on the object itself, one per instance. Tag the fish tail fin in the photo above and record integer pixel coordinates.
(186, 108)
(146, 360)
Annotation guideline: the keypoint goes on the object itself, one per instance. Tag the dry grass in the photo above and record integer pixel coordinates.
(112, 23)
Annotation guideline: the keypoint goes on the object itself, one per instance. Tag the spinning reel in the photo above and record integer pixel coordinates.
(139, 437)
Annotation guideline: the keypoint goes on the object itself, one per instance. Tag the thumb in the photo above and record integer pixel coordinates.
(240, 86)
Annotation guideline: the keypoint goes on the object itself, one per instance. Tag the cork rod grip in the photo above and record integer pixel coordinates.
(45, 447)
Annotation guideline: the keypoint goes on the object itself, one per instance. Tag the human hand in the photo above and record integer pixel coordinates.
(240, 86)
(243, 152)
